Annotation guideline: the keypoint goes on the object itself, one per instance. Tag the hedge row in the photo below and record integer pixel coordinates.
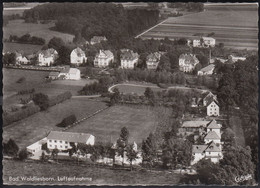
(67, 121)
(26, 91)
(59, 98)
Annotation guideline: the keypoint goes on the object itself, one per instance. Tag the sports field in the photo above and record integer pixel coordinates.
(106, 126)
(37, 126)
(235, 26)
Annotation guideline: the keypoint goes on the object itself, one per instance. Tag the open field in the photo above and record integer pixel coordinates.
(19, 28)
(35, 127)
(36, 80)
(233, 25)
(100, 176)
(27, 49)
(106, 126)
(19, 9)
(136, 89)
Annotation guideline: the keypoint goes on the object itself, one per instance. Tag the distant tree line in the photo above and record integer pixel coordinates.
(87, 20)
(27, 39)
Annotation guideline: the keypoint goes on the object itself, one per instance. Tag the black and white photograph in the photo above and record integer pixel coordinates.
(130, 93)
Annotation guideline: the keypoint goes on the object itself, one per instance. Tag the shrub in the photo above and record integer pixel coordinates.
(67, 121)
(20, 80)
(10, 148)
(23, 154)
(60, 98)
(41, 100)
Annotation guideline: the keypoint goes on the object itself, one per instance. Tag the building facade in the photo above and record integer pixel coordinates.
(78, 56)
(47, 57)
(103, 58)
(97, 39)
(208, 70)
(65, 140)
(152, 60)
(187, 62)
(213, 109)
(128, 59)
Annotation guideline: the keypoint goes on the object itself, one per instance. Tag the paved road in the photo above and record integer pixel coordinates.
(172, 87)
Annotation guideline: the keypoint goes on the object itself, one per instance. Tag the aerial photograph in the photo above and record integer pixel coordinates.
(130, 93)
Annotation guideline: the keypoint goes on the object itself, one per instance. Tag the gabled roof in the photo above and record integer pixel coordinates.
(213, 125)
(189, 59)
(195, 124)
(212, 135)
(79, 52)
(107, 53)
(128, 55)
(212, 147)
(208, 68)
(212, 100)
(47, 53)
(69, 136)
(155, 55)
(199, 148)
(73, 70)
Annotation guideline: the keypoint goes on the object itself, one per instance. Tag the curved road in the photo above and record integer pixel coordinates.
(172, 87)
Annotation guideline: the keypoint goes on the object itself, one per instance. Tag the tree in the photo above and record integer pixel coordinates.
(149, 94)
(54, 153)
(131, 154)
(64, 56)
(124, 135)
(149, 149)
(41, 100)
(10, 148)
(164, 64)
(56, 43)
(43, 157)
(115, 97)
(9, 59)
(23, 154)
(122, 143)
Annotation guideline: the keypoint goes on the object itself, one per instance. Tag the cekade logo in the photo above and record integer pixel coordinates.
(242, 178)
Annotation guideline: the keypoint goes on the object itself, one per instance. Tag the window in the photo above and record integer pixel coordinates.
(50, 140)
(66, 147)
(55, 141)
(210, 129)
(66, 142)
(60, 146)
(209, 153)
(60, 141)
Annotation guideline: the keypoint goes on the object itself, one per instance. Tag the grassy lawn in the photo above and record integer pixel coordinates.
(26, 48)
(136, 89)
(37, 126)
(100, 176)
(106, 126)
(36, 80)
(235, 20)
(19, 28)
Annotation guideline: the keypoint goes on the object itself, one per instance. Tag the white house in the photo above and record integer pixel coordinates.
(77, 56)
(103, 58)
(36, 147)
(97, 39)
(212, 109)
(209, 41)
(189, 127)
(187, 62)
(152, 60)
(63, 140)
(204, 42)
(128, 59)
(70, 73)
(47, 57)
(21, 59)
(214, 126)
(208, 70)
(198, 152)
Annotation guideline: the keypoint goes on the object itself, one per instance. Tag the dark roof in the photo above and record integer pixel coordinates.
(198, 148)
(212, 147)
(210, 101)
(128, 55)
(69, 136)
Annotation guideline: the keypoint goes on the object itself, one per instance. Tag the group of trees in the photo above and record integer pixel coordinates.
(10, 148)
(87, 20)
(9, 59)
(67, 121)
(27, 39)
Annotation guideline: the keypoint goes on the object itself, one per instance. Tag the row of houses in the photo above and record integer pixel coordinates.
(204, 42)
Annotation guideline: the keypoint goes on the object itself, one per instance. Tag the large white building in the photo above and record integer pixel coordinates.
(47, 57)
(187, 62)
(77, 56)
(63, 140)
(152, 60)
(129, 59)
(97, 39)
(103, 58)
(212, 108)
